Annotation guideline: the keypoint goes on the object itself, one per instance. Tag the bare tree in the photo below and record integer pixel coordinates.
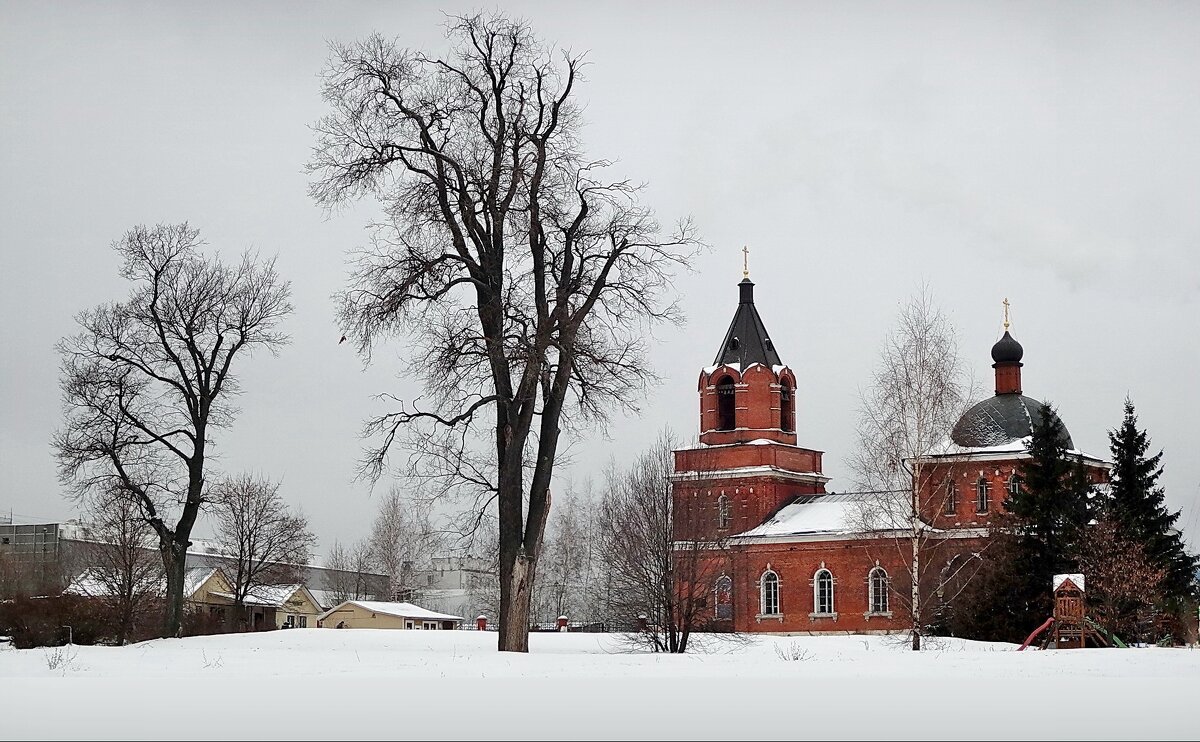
(1124, 587)
(123, 570)
(568, 579)
(348, 570)
(268, 542)
(655, 578)
(148, 380)
(524, 282)
(403, 541)
(916, 395)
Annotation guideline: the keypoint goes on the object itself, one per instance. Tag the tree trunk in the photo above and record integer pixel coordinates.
(174, 564)
(916, 593)
(516, 592)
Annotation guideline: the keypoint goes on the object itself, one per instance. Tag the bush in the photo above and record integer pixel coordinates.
(41, 622)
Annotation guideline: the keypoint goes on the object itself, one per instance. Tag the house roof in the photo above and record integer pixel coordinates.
(91, 583)
(274, 596)
(399, 610)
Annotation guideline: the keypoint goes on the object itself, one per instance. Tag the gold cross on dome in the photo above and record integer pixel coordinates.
(745, 262)
(1006, 314)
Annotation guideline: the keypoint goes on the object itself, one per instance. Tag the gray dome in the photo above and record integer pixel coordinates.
(1001, 419)
(1007, 350)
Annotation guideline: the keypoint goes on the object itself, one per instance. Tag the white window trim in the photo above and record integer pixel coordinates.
(887, 583)
(717, 597)
(816, 586)
(762, 595)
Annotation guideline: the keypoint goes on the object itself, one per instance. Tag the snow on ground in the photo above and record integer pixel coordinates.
(454, 685)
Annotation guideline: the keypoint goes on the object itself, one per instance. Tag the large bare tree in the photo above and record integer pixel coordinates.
(147, 381)
(268, 542)
(915, 396)
(523, 281)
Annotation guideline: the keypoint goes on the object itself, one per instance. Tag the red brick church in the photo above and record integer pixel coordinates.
(761, 545)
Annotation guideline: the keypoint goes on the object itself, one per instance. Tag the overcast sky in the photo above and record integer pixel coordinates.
(1047, 152)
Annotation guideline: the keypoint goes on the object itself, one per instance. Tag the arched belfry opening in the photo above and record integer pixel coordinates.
(726, 404)
(787, 411)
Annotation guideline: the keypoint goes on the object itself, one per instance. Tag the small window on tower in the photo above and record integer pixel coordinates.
(734, 343)
(723, 516)
(725, 404)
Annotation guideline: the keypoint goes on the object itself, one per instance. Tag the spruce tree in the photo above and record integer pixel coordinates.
(1136, 502)
(1047, 518)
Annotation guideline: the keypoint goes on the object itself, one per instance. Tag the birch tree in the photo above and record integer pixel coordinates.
(403, 541)
(523, 279)
(148, 382)
(915, 396)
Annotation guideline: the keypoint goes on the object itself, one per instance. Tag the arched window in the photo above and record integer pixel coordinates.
(982, 489)
(1014, 485)
(877, 590)
(769, 603)
(724, 598)
(723, 516)
(823, 592)
(786, 414)
(949, 497)
(725, 404)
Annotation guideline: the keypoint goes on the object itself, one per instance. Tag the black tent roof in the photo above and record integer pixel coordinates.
(747, 341)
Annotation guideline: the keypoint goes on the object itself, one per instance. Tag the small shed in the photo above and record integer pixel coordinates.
(374, 614)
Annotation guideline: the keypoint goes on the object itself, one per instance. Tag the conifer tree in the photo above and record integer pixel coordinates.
(1047, 518)
(1136, 503)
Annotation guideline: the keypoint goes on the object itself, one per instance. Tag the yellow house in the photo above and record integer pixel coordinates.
(295, 607)
(290, 606)
(374, 614)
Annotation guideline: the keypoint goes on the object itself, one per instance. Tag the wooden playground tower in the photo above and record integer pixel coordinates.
(1072, 629)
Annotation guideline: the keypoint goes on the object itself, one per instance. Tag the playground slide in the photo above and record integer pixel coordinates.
(1036, 631)
(1116, 640)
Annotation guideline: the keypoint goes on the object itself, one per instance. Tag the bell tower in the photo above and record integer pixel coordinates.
(747, 394)
(747, 465)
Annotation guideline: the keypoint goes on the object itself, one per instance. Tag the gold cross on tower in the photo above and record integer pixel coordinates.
(1006, 314)
(745, 262)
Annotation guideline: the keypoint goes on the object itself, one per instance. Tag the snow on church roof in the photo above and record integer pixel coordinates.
(832, 514)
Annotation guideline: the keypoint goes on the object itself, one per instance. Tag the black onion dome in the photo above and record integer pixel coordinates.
(1007, 350)
(1002, 419)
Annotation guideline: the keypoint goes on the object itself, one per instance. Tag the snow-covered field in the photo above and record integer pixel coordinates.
(454, 685)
